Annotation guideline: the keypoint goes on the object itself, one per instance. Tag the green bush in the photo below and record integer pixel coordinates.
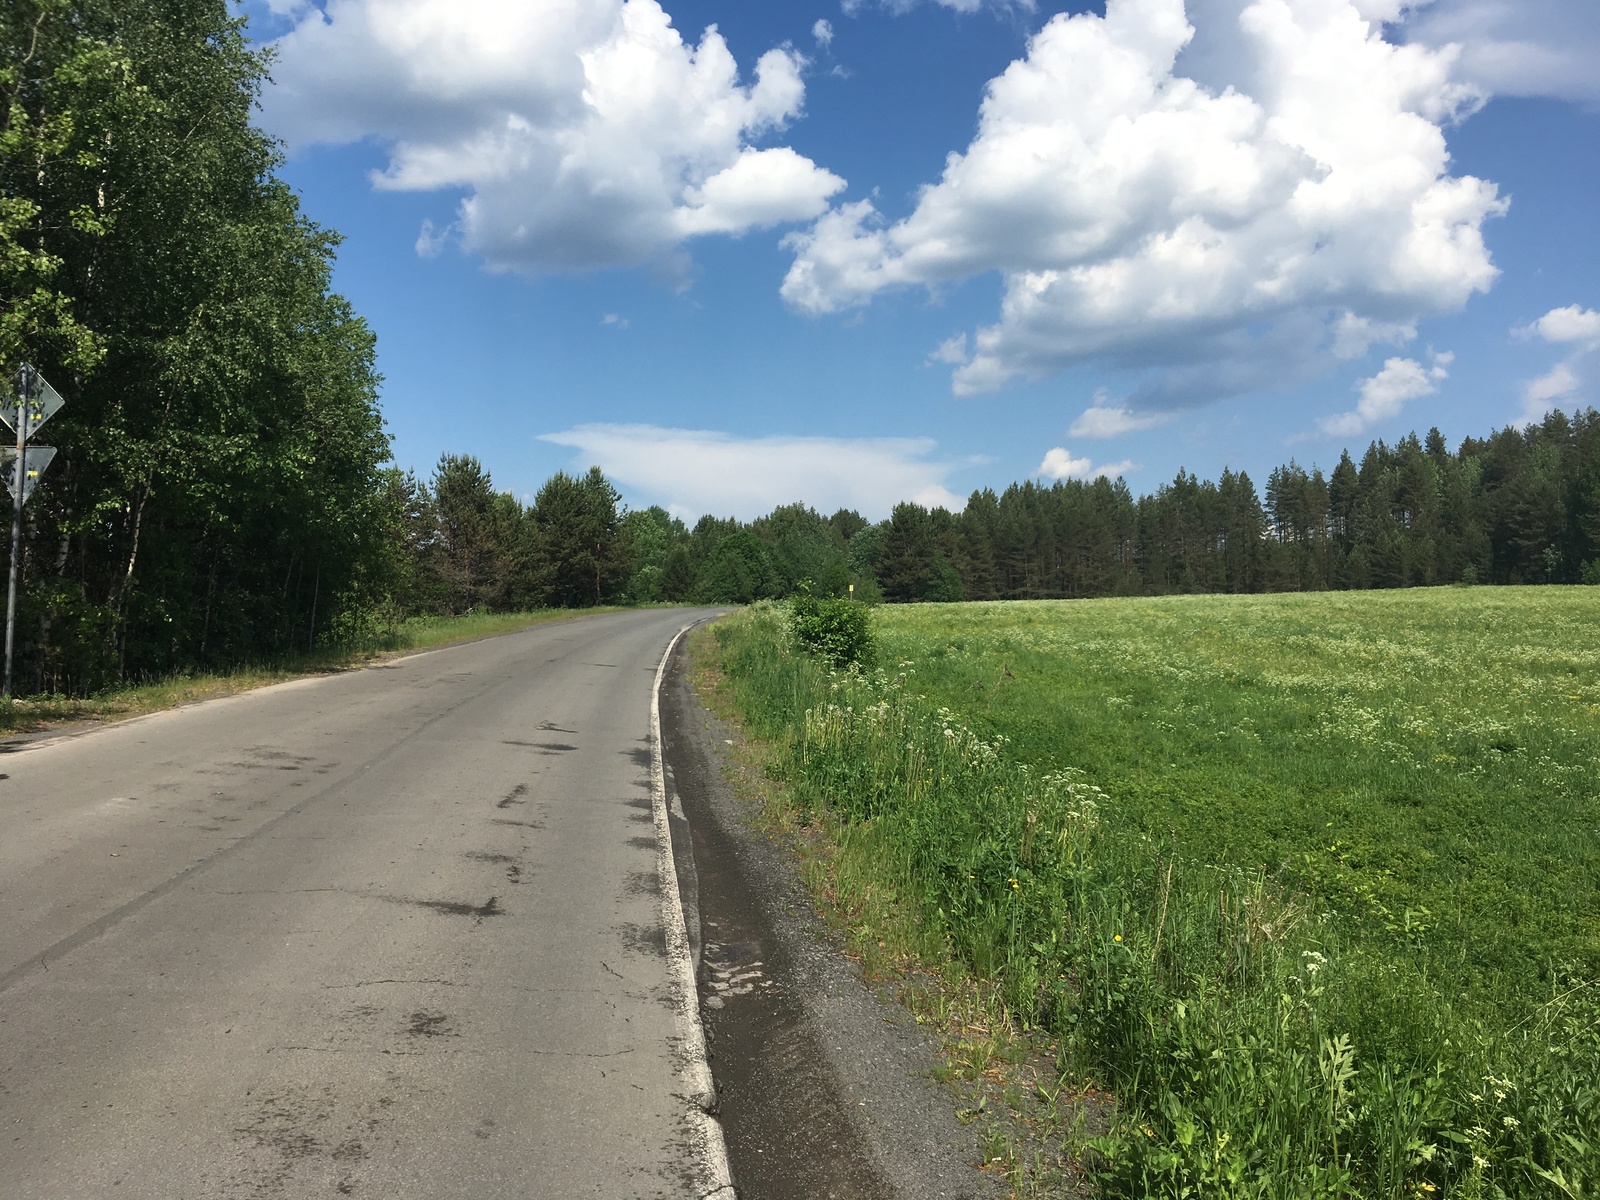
(839, 631)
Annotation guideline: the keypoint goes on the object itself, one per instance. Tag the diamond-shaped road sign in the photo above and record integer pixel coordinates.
(31, 404)
(38, 459)
(33, 399)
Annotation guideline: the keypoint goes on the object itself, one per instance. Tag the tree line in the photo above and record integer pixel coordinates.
(459, 545)
(224, 492)
(1521, 506)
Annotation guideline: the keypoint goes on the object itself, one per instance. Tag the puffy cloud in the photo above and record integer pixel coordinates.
(1107, 418)
(760, 189)
(695, 471)
(952, 351)
(1517, 47)
(852, 7)
(1560, 381)
(1217, 236)
(1386, 393)
(1353, 336)
(586, 132)
(1570, 326)
(823, 32)
(1059, 464)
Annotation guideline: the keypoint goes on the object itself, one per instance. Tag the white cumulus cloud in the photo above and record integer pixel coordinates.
(1108, 417)
(1384, 395)
(697, 471)
(851, 7)
(585, 133)
(1517, 47)
(1559, 382)
(823, 32)
(1059, 464)
(1571, 326)
(1218, 236)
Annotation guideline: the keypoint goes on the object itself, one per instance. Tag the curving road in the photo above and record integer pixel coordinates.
(392, 933)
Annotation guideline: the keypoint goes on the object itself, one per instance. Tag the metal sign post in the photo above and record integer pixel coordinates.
(34, 402)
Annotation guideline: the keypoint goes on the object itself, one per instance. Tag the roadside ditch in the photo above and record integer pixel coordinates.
(841, 1075)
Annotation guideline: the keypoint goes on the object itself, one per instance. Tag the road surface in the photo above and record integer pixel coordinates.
(393, 933)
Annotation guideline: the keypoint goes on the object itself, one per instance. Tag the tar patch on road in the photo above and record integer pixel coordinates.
(643, 939)
(457, 908)
(541, 747)
(426, 1023)
(511, 862)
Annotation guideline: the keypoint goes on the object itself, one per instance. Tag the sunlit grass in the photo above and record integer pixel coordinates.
(1424, 764)
(1308, 881)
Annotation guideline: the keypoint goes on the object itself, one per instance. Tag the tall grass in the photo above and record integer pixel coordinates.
(1259, 1043)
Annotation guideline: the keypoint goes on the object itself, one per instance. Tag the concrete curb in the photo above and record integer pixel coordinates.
(694, 1067)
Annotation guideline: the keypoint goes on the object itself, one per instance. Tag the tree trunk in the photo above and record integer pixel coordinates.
(316, 590)
(116, 645)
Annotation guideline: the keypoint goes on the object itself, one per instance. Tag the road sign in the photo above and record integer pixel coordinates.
(32, 402)
(38, 458)
(32, 397)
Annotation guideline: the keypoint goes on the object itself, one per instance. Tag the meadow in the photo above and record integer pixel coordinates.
(1311, 882)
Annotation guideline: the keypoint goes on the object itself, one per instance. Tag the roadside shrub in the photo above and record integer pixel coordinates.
(839, 631)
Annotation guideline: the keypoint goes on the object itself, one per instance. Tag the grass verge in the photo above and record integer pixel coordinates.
(420, 633)
(1265, 1038)
(1033, 1126)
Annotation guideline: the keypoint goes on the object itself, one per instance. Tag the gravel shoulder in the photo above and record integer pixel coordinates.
(826, 1089)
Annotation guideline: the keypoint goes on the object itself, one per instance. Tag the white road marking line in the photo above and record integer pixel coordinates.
(693, 1066)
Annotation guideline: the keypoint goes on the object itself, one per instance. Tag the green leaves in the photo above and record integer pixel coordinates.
(219, 476)
(582, 557)
(839, 631)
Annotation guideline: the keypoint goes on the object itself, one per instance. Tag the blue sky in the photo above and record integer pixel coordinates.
(853, 254)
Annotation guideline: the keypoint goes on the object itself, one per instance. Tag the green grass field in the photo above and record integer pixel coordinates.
(1424, 764)
(1311, 881)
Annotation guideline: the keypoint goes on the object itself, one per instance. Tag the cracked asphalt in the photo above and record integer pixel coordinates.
(391, 933)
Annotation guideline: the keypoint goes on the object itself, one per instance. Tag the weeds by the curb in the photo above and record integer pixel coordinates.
(1034, 1124)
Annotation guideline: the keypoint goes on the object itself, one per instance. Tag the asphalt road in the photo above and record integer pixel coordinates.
(391, 933)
